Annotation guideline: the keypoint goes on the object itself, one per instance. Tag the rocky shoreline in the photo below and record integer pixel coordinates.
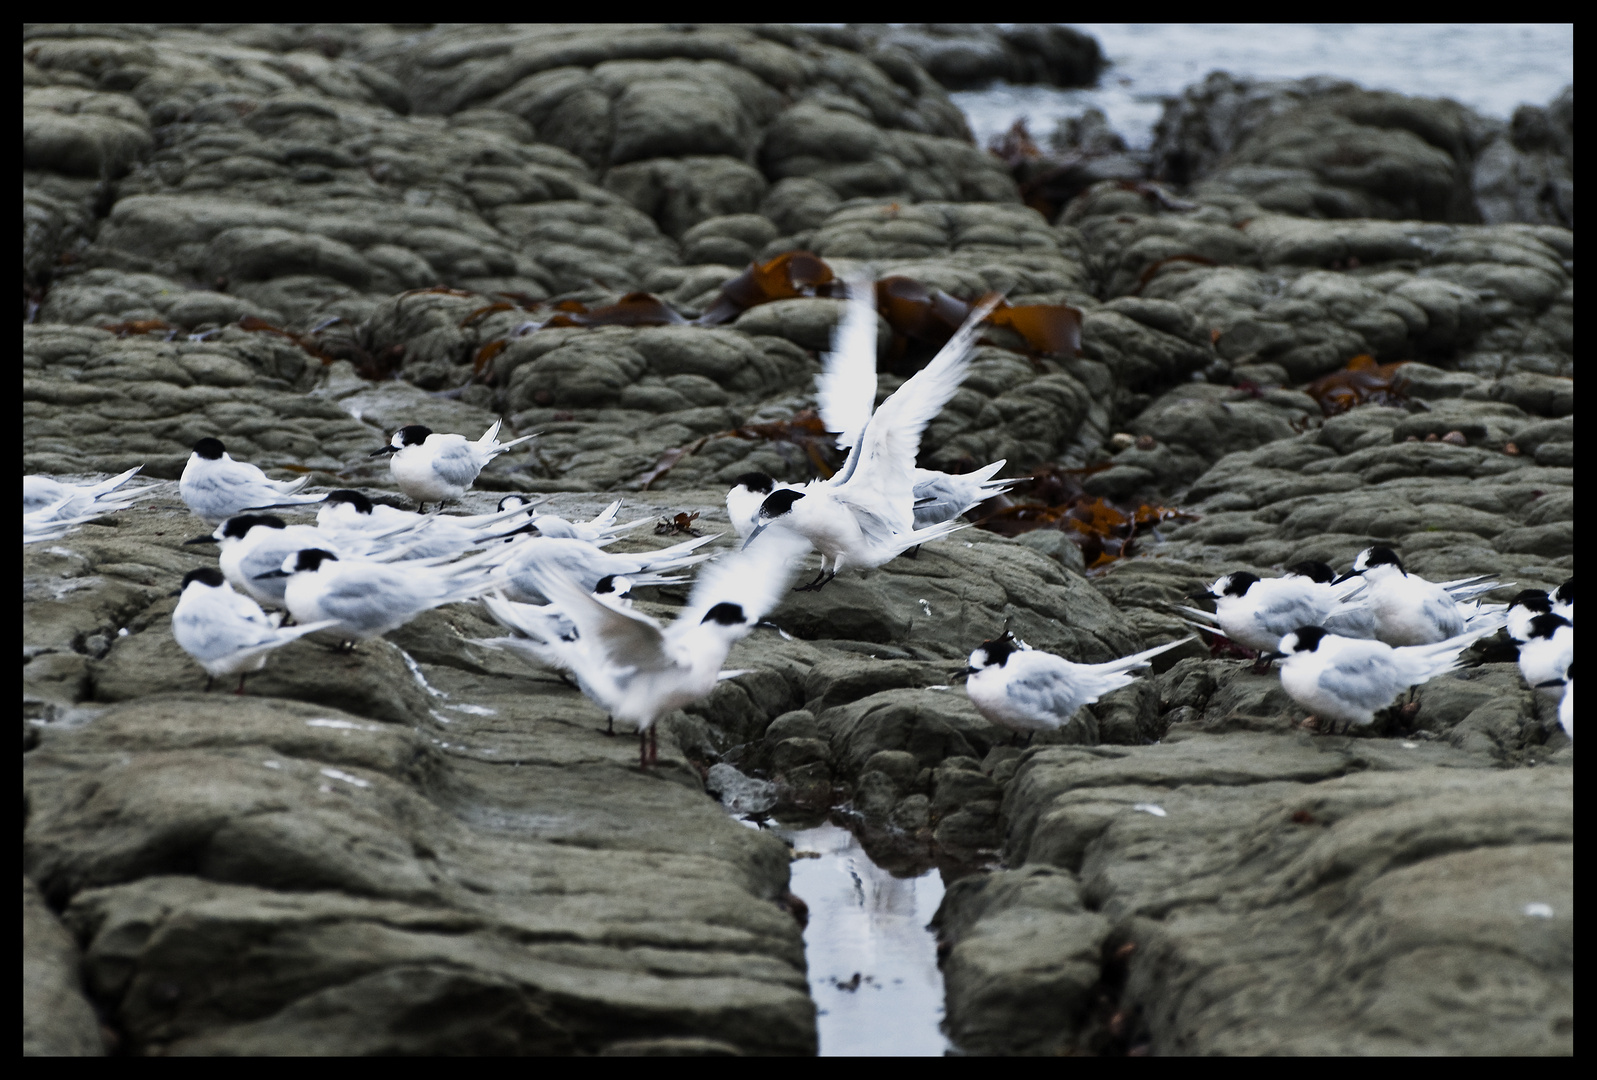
(297, 239)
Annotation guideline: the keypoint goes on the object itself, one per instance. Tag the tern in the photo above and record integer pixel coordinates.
(1024, 689)
(367, 599)
(865, 515)
(437, 468)
(1345, 681)
(1547, 652)
(76, 500)
(1255, 612)
(227, 633)
(352, 517)
(638, 670)
(1564, 600)
(587, 565)
(216, 487)
(1408, 610)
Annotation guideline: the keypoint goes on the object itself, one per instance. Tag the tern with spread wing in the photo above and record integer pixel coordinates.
(865, 515)
(638, 670)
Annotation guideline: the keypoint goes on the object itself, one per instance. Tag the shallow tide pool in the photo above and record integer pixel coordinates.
(872, 961)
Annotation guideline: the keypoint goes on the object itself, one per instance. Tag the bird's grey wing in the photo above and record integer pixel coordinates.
(1048, 692)
(457, 465)
(366, 600)
(1288, 613)
(1442, 611)
(621, 639)
(1368, 680)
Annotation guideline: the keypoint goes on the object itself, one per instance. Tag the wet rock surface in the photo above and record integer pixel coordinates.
(297, 239)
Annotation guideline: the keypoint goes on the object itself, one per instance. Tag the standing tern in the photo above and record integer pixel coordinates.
(1255, 612)
(865, 515)
(367, 599)
(1408, 610)
(75, 500)
(433, 467)
(1025, 689)
(1345, 681)
(227, 633)
(1564, 600)
(1525, 606)
(638, 670)
(216, 487)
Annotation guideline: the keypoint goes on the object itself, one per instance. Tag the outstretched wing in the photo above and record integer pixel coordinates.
(617, 638)
(845, 390)
(755, 578)
(881, 469)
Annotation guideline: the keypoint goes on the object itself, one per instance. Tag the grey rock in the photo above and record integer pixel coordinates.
(57, 1021)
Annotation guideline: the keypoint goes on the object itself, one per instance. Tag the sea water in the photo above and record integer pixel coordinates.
(1492, 68)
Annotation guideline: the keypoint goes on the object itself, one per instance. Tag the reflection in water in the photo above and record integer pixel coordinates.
(873, 963)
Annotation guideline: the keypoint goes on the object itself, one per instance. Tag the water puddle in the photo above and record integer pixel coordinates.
(873, 962)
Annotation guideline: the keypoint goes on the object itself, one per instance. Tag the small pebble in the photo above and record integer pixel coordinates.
(1145, 442)
(1122, 441)
(1511, 449)
(1412, 438)
(1455, 438)
(1432, 437)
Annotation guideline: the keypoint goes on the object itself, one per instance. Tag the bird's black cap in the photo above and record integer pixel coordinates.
(210, 449)
(1533, 600)
(1565, 593)
(778, 503)
(1545, 626)
(1239, 584)
(1309, 638)
(999, 648)
(240, 525)
(1381, 556)
(414, 434)
(1314, 571)
(756, 481)
(361, 503)
(311, 558)
(725, 613)
(206, 575)
(606, 584)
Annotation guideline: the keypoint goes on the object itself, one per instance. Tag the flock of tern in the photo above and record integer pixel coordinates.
(1349, 646)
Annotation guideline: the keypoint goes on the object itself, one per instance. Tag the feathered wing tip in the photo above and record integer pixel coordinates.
(500, 448)
(677, 555)
(490, 438)
(940, 531)
(105, 487)
(1142, 659)
(1444, 656)
(845, 390)
(607, 517)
